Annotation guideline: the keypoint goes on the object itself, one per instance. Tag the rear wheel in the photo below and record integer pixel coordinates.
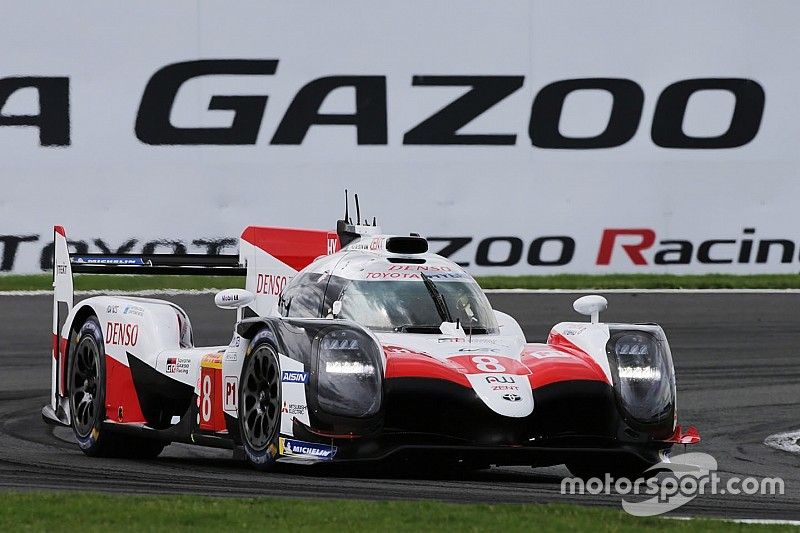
(86, 387)
(260, 405)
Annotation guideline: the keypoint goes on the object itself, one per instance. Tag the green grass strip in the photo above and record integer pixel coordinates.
(40, 511)
(561, 281)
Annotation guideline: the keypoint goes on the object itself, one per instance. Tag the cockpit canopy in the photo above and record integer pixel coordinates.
(416, 302)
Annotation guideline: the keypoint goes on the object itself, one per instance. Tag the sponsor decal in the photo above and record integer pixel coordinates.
(504, 387)
(61, 269)
(112, 309)
(291, 376)
(108, 260)
(122, 334)
(178, 365)
(500, 379)
(294, 408)
(512, 398)
(306, 449)
(133, 310)
(270, 284)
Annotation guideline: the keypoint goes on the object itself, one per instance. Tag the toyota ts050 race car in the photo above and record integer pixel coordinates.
(352, 346)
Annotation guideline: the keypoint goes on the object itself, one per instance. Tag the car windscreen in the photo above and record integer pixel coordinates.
(411, 306)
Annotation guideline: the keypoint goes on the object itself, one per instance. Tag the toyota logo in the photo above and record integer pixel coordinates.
(512, 397)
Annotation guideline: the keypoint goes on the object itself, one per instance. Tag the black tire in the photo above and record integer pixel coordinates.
(86, 389)
(87, 392)
(260, 404)
(628, 468)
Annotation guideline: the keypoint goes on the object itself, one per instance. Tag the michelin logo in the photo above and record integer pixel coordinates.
(307, 449)
(289, 376)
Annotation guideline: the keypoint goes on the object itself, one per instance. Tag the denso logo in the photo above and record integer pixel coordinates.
(122, 334)
(369, 118)
(270, 284)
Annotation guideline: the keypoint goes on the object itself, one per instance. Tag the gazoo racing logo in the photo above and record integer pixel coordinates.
(634, 242)
(369, 114)
(639, 247)
(122, 334)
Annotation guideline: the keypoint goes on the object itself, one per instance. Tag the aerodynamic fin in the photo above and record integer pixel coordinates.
(63, 300)
(274, 255)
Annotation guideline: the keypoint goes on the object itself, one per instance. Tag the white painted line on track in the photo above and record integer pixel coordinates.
(786, 442)
(757, 521)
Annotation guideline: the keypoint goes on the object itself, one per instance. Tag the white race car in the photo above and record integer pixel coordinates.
(354, 346)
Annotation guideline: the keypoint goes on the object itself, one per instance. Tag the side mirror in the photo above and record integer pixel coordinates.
(336, 308)
(233, 298)
(591, 305)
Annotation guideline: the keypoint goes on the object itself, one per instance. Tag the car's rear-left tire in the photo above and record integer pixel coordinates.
(87, 391)
(86, 388)
(260, 404)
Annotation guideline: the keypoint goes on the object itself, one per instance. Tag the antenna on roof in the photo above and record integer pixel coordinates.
(346, 206)
(374, 221)
(358, 211)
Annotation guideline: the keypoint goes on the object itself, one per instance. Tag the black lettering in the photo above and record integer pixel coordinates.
(626, 111)
(153, 124)
(567, 251)
(53, 117)
(369, 117)
(125, 248)
(10, 247)
(683, 252)
(747, 246)
(764, 246)
(514, 252)
(46, 258)
(215, 246)
(704, 251)
(176, 247)
(441, 127)
(667, 130)
(453, 245)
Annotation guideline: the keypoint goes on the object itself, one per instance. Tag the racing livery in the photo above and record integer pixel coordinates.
(354, 346)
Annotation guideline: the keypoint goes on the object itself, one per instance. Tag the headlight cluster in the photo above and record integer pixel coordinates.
(641, 366)
(349, 371)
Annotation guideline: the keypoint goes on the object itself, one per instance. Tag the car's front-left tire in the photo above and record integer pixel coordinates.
(260, 404)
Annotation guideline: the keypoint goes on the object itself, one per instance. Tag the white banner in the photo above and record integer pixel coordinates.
(528, 137)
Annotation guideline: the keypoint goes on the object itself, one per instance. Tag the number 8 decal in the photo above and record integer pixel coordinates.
(205, 407)
(488, 364)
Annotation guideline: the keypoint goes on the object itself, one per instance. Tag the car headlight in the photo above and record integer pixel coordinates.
(349, 382)
(641, 366)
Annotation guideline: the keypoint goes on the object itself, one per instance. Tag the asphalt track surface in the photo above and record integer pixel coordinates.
(738, 371)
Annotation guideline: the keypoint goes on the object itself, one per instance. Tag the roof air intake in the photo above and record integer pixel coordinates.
(406, 245)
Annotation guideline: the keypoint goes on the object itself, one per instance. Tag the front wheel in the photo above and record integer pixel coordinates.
(260, 405)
